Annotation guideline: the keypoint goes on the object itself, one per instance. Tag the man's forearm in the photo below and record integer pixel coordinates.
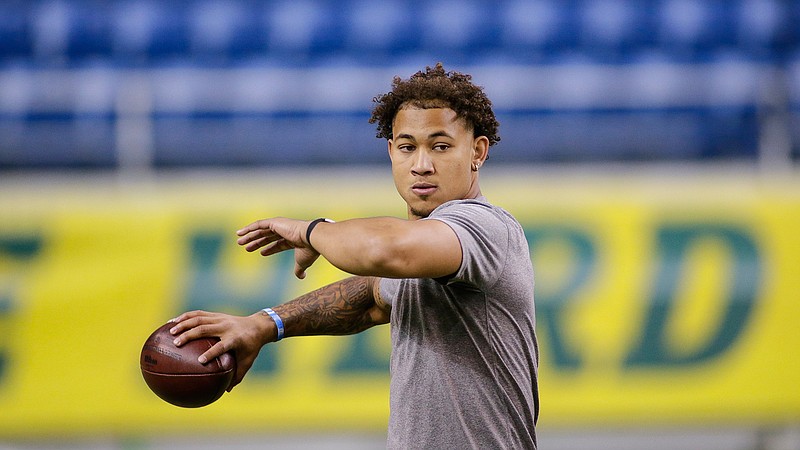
(345, 307)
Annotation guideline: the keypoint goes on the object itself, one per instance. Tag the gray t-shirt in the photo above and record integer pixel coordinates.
(464, 352)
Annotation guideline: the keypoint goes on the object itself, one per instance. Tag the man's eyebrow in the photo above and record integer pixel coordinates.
(441, 133)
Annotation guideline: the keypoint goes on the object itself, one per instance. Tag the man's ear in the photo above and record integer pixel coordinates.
(480, 150)
(389, 148)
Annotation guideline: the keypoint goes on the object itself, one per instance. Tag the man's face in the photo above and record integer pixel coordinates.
(432, 153)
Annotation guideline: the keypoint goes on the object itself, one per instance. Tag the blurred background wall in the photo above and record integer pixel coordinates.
(649, 148)
(122, 84)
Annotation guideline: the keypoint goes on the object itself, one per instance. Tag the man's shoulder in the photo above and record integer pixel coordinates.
(469, 203)
(473, 208)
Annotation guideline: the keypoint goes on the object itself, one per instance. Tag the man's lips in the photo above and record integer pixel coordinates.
(423, 189)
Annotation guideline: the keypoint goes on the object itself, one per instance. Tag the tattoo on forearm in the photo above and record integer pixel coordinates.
(339, 308)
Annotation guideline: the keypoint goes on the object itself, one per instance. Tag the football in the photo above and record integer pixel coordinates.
(174, 374)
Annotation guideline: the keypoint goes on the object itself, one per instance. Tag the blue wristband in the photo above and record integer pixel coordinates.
(278, 322)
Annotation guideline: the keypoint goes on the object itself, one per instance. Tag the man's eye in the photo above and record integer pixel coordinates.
(441, 147)
(406, 148)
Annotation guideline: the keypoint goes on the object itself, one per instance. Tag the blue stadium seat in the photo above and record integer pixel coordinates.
(456, 26)
(615, 26)
(689, 26)
(380, 29)
(539, 26)
(302, 29)
(169, 32)
(15, 31)
(90, 31)
(759, 23)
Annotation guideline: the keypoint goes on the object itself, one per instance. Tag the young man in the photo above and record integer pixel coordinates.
(455, 279)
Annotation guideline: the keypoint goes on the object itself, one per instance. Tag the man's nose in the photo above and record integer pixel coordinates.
(423, 163)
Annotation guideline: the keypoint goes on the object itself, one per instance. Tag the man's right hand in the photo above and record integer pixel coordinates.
(277, 235)
(243, 336)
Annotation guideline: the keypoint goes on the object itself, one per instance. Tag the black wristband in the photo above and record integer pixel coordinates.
(311, 226)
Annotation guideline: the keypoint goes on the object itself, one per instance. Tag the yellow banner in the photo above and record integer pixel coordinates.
(659, 301)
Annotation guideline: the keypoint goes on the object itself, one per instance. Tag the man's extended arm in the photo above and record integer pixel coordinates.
(379, 246)
(344, 307)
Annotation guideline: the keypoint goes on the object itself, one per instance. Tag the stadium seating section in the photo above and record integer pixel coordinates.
(89, 83)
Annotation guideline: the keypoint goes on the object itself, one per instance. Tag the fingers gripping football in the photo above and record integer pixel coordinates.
(242, 336)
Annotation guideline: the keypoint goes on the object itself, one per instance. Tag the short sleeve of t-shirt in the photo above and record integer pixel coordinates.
(483, 233)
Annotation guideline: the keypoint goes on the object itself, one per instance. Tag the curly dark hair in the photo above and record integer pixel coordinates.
(436, 88)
